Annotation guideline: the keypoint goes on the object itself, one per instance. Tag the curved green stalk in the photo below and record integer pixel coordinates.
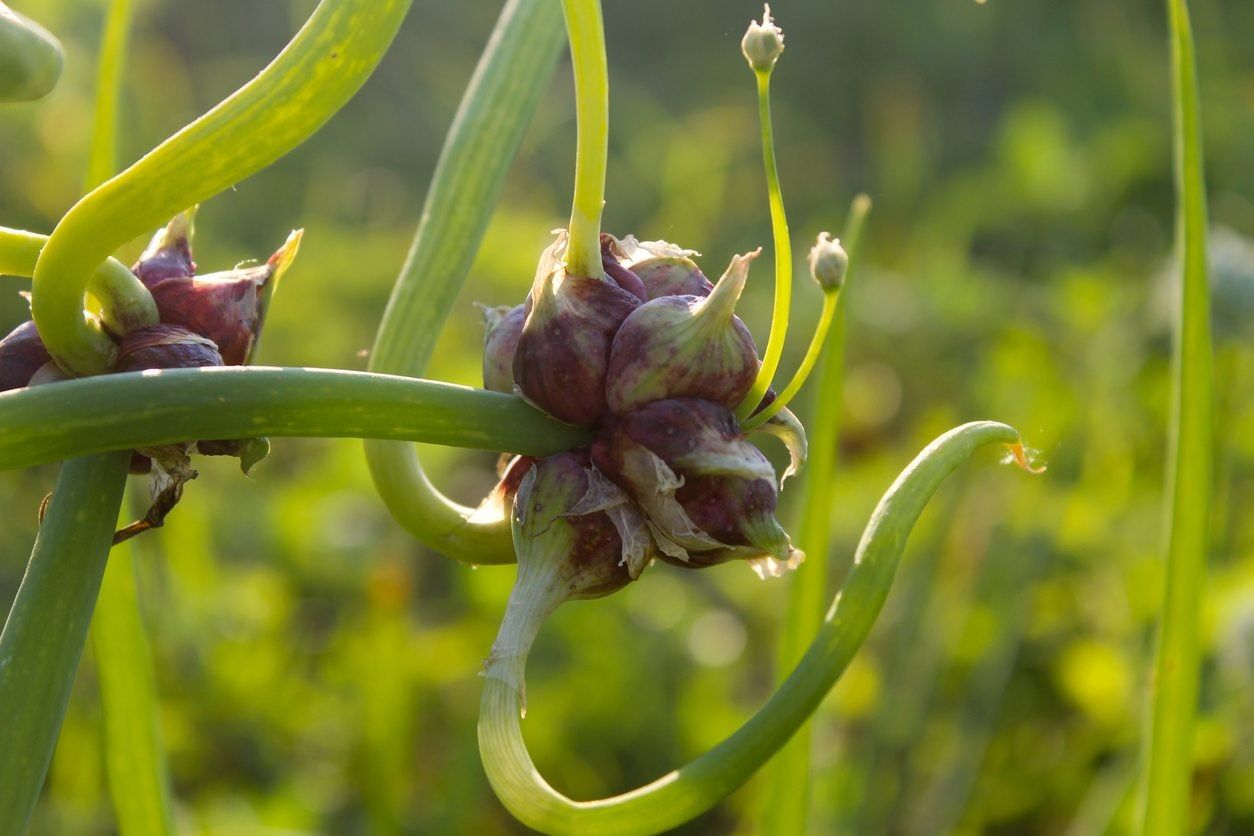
(43, 637)
(783, 255)
(498, 105)
(145, 409)
(831, 302)
(312, 78)
(125, 302)
(134, 758)
(788, 786)
(1190, 462)
(592, 109)
(684, 793)
(832, 306)
(30, 58)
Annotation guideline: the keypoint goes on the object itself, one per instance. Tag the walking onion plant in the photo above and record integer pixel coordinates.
(626, 390)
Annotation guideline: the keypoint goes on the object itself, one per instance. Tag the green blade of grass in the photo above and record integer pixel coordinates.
(134, 758)
(146, 409)
(1177, 663)
(499, 104)
(102, 156)
(788, 787)
(44, 635)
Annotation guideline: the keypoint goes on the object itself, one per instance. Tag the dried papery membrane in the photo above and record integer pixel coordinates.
(785, 426)
(663, 268)
(605, 496)
(708, 494)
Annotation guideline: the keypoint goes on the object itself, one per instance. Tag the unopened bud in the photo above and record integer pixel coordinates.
(829, 262)
(762, 43)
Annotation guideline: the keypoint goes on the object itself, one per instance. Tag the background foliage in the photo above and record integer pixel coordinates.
(317, 667)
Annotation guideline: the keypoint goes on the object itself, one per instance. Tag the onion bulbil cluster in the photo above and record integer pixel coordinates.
(651, 356)
(210, 320)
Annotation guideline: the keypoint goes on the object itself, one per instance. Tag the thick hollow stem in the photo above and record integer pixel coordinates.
(1190, 463)
(44, 635)
(684, 793)
(592, 108)
(783, 255)
(312, 78)
(495, 111)
(146, 409)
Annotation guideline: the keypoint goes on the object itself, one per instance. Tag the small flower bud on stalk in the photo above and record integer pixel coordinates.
(829, 265)
(708, 494)
(566, 551)
(763, 42)
(829, 262)
(22, 353)
(563, 351)
(685, 347)
(503, 326)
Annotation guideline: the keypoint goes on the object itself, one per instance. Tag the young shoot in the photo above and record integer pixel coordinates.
(829, 267)
(762, 44)
(592, 109)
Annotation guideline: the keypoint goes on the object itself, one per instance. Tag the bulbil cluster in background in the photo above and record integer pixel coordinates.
(210, 320)
(652, 357)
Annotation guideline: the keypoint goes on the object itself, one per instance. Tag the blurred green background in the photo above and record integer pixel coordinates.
(318, 668)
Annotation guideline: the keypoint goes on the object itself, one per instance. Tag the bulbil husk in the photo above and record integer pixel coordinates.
(22, 354)
(709, 495)
(563, 351)
(685, 347)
